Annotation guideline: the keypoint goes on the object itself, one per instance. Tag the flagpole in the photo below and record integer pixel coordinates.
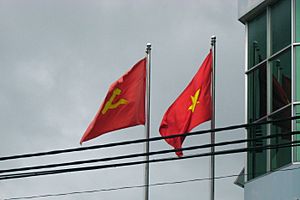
(147, 126)
(212, 136)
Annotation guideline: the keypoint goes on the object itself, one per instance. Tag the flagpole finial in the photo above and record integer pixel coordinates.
(148, 49)
(213, 40)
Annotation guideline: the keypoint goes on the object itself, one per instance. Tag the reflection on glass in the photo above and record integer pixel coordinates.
(257, 93)
(297, 72)
(280, 25)
(281, 80)
(257, 156)
(297, 21)
(257, 40)
(281, 156)
(297, 137)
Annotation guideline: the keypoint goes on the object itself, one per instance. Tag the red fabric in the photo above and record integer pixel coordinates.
(180, 118)
(124, 104)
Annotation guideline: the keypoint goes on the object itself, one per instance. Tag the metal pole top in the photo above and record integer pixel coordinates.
(148, 49)
(213, 39)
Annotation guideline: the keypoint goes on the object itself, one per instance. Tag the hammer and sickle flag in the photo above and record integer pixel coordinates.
(124, 104)
(191, 108)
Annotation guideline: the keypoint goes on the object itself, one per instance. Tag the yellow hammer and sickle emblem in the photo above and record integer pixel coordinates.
(194, 100)
(110, 105)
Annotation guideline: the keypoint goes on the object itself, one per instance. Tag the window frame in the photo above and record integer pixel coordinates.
(267, 61)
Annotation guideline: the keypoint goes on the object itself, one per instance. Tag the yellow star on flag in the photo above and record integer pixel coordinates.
(194, 100)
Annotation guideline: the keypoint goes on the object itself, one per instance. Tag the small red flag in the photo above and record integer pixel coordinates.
(124, 104)
(191, 108)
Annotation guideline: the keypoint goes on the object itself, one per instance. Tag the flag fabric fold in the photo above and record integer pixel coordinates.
(124, 104)
(191, 108)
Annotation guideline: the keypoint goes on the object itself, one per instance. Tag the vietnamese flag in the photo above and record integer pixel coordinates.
(124, 104)
(191, 108)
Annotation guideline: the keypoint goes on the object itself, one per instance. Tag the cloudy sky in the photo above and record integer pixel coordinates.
(57, 60)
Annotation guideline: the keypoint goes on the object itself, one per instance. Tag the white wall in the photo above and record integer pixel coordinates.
(245, 6)
(280, 185)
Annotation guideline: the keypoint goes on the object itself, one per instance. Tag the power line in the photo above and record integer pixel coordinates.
(116, 165)
(80, 162)
(137, 186)
(61, 151)
(118, 188)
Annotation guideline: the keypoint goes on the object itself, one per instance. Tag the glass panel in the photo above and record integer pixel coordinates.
(281, 156)
(297, 20)
(281, 80)
(257, 159)
(297, 73)
(257, 40)
(280, 25)
(257, 93)
(297, 137)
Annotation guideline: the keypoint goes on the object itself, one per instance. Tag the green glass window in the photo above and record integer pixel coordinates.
(257, 93)
(270, 84)
(257, 40)
(297, 137)
(280, 25)
(297, 20)
(257, 108)
(281, 80)
(281, 130)
(257, 156)
(297, 81)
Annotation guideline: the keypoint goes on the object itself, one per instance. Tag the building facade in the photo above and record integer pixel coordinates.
(272, 71)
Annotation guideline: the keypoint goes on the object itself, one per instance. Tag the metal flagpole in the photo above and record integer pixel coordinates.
(212, 136)
(147, 126)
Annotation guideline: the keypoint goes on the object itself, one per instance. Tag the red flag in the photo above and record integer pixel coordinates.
(191, 108)
(124, 104)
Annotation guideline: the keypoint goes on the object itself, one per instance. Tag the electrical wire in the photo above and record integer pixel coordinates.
(61, 151)
(39, 173)
(138, 186)
(80, 162)
(116, 165)
(118, 188)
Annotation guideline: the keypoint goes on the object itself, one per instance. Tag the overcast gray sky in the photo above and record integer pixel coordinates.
(57, 60)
